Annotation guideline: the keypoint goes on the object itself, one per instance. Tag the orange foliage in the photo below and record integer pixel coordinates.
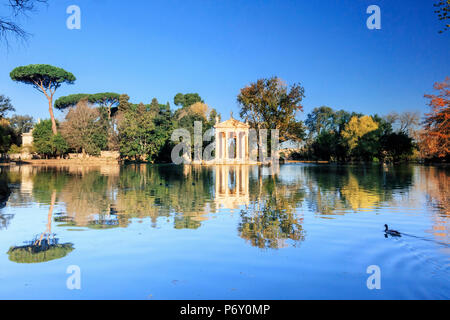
(436, 136)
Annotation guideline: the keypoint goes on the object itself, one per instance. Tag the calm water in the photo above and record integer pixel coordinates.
(226, 232)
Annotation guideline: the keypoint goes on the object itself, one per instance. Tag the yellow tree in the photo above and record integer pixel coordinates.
(357, 128)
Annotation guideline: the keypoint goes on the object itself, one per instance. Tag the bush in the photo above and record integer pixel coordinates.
(46, 143)
(14, 149)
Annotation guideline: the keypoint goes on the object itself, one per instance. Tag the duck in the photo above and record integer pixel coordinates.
(394, 233)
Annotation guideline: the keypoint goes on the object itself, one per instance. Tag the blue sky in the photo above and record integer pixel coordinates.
(159, 48)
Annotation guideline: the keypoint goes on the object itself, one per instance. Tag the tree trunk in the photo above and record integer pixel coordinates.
(50, 109)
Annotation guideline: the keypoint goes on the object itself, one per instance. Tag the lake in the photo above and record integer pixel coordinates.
(296, 231)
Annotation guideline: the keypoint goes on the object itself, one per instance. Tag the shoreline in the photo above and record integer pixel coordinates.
(111, 162)
(46, 162)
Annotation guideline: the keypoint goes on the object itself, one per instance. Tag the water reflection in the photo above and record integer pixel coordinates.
(334, 190)
(44, 248)
(270, 200)
(231, 186)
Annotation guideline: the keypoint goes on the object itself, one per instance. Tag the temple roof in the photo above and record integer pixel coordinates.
(232, 123)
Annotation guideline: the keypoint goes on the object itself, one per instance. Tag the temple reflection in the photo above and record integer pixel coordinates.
(231, 186)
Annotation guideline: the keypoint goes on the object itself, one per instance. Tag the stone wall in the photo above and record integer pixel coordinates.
(104, 155)
(20, 156)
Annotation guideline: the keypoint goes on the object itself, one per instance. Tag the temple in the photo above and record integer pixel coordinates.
(232, 145)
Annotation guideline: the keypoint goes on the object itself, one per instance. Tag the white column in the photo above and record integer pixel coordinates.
(238, 145)
(217, 145)
(226, 145)
(246, 156)
(221, 145)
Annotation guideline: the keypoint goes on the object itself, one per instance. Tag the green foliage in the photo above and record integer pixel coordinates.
(140, 139)
(104, 99)
(5, 106)
(124, 103)
(46, 79)
(270, 104)
(321, 119)
(187, 100)
(397, 146)
(46, 143)
(38, 254)
(21, 123)
(42, 75)
(7, 136)
(14, 149)
(343, 136)
(70, 100)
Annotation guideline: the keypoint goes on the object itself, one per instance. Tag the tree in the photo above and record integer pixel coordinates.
(358, 127)
(18, 8)
(85, 129)
(107, 100)
(5, 106)
(186, 100)
(270, 104)
(324, 146)
(46, 79)
(136, 133)
(70, 101)
(7, 136)
(443, 13)
(435, 140)
(319, 119)
(47, 143)
(124, 103)
(164, 126)
(197, 112)
(405, 122)
(396, 146)
(21, 123)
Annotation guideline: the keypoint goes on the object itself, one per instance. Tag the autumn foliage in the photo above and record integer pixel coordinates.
(435, 142)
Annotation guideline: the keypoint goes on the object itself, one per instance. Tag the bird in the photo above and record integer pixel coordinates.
(393, 233)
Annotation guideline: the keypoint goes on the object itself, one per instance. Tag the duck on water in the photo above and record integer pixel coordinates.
(393, 233)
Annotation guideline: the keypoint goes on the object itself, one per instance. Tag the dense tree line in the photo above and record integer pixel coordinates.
(342, 136)
(141, 132)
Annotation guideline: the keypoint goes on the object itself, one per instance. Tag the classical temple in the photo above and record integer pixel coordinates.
(232, 142)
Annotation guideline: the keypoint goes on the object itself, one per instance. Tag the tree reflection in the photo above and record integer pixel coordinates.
(4, 195)
(112, 197)
(271, 220)
(338, 189)
(43, 248)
